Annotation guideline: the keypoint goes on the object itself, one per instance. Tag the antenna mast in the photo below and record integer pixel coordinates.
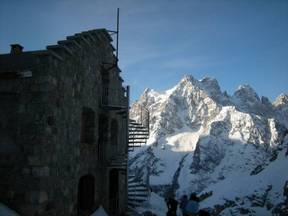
(117, 32)
(113, 32)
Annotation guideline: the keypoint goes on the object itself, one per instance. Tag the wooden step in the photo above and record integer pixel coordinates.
(137, 200)
(135, 146)
(134, 123)
(137, 140)
(139, 131)
(132, 126)
(132, 146)
(131, 180)
(140, 136)
(134, 204)
(136, 184)
(137, 127)
(143, 141)
(138, 190)
(131, 211)
(138, 195)
(135, 135)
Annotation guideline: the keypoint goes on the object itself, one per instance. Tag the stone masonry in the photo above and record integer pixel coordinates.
(63, 128)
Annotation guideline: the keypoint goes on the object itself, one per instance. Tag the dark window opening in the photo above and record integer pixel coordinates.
(103, 135)
(86, 193)
(87, 126)
(105, 77)
(105, 83)
(114, 132)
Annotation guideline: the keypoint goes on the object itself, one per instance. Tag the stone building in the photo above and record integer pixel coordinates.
(63, 128)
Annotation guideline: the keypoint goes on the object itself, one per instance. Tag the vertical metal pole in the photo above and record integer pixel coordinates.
(148, 123)
(117, 40)
(141, 119)
(127, 140)
(127, 98)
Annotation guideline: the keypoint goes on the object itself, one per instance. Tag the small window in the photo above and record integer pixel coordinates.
(87, 126)
(102, 136)
(114, 132)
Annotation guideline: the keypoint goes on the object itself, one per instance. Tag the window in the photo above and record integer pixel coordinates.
(102, 136)
(114, 132)
(87, 126)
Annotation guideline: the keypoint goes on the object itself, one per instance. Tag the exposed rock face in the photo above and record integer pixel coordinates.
(281, 108)
(247, 100)
(223, 137)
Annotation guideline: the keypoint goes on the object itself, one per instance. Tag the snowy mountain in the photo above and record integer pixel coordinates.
(281, 108)
(206, 141)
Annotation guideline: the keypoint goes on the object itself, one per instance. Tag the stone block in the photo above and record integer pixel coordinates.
(37, 197)
(34, 161)
(48, 130)
(26, 171)
(28, 209)
(41, 171)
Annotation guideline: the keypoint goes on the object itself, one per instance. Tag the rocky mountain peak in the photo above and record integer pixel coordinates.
(188, 78)
(147, 90)
(247, 100)
(281, 109)
(210, 83)
(281, 100)
(188, 81)
(212, 88)
(246, 93)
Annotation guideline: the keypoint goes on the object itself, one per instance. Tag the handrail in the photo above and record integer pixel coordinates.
(114, 97)
(144, 116)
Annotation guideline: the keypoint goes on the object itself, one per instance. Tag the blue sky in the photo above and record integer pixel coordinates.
(235, 41)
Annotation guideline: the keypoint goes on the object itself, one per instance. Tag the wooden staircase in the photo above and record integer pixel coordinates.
(138, 135)
(138, 191)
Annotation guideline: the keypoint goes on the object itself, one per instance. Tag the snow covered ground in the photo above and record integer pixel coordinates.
(243, 189)
(5, 211)
(239, 187)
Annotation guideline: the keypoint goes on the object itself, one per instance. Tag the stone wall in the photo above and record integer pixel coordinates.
(43, 117)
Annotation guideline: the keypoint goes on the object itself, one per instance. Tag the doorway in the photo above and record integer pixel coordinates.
(86, 194)
(113, 191)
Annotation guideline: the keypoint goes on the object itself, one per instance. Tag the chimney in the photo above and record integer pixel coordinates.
(16, 49)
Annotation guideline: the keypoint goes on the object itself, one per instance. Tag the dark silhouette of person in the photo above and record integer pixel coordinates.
(183, 203)
(172, 206)
(192, 206)
(203, 213)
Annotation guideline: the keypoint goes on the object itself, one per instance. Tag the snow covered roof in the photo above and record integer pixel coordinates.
(99, 212)
(4, 210)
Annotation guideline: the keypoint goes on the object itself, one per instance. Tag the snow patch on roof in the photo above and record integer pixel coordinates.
(5, 211)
